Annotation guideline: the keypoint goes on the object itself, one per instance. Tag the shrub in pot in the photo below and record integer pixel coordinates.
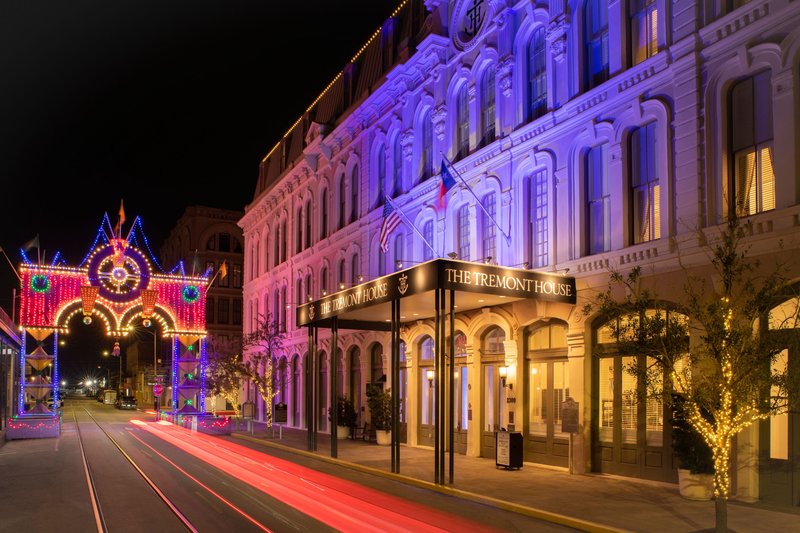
(345, 417)
(695, 461)
(380, 409)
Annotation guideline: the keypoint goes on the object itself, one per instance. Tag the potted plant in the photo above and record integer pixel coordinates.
(380, 409)
(345, 417)
(695, 461)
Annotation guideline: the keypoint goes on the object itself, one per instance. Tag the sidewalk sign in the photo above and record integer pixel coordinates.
(569, 423)
(508, 448)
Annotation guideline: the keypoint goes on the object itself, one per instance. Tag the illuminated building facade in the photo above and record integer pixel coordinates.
(597, 134)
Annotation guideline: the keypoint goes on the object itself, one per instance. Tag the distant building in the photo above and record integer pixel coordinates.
(597, 134)
(10, 345)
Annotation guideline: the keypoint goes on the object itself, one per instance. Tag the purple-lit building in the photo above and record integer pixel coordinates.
(597, 134)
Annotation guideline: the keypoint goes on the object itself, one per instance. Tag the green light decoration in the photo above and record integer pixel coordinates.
(190, 347)
(189, 376)
(190, 294)
(40, 283)
(189, 402)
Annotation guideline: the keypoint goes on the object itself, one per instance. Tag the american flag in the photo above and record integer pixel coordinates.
(390, 221)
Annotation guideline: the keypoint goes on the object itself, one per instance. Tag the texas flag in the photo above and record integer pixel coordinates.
(447, 183)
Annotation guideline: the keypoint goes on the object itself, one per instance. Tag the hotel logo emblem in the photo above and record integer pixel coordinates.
(311, 312)
(403, 287)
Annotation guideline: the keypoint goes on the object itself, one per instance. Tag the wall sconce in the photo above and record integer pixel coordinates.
(341, 286)
(398, 264)
(430, 374)
(503, 373)
(360, 278)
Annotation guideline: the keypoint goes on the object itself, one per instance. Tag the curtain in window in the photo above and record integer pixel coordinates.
(644, 29)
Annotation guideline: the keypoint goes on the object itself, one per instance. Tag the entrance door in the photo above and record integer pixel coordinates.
(462, 409)
(494, 397)
(427, 406)
(403, 404)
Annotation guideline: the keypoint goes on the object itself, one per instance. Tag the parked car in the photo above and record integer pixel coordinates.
(125, 402)
(50, 403)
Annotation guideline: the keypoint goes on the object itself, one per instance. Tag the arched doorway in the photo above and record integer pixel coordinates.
(548, 386)
(427, 395)
(494, 393)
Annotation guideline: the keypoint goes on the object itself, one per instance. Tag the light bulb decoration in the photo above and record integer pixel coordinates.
(40, 283)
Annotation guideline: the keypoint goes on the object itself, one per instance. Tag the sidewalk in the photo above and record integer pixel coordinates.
(611, 501)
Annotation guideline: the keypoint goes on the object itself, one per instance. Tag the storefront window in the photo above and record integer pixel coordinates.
(560, 393)
(464, 418)
(538, 415)
(630, 405)
(606, 399)
(489, 397)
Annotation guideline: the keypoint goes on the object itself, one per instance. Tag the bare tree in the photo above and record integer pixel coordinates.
(224, 373)
(714, 345)
(262, 346)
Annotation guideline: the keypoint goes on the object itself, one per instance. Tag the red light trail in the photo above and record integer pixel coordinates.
(341, 504)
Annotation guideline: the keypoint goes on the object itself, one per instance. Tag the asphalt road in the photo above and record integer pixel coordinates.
(213, 483)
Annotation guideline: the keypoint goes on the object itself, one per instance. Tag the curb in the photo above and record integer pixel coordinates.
(540, 514)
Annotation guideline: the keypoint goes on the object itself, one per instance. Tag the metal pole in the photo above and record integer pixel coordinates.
(441, 402)
(393, 367)
(451, 379)
(396, 389)
(436, 383)
(315, 400)
(334, 379)
(307, 383)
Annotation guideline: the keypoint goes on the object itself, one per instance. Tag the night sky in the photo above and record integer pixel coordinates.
(163, 103)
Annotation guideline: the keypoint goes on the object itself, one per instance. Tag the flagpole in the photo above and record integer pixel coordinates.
(413, 227)
(449, 164)
(14, 270)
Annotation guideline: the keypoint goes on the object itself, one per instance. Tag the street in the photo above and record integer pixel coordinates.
(155, 476)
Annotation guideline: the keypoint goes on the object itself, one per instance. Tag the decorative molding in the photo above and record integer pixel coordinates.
(505, 69)
(556, 35)
(407, 143)
(439, 117)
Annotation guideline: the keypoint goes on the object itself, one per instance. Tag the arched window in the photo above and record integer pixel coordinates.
(427, 232)
(596, 36)
(355, 186)
(342, 203)
(598, 203)
(355, 270)
(488, 107)
(397, 168)
(489, 237)
(537, 75)
(376, 363)
(645, 188)
(462, 123)
(323, 219)
(493, 341)
(752, 187)
(307, 230)
(426, 148)
(381, 171)
(426, 348)
(539, 247)
(463, 232)
(460, 344)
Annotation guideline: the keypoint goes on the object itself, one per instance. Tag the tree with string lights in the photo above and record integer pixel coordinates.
(262, 346)
(224, 373)
(720, 347)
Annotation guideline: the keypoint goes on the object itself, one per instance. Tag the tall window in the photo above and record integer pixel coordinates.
(645, 189)
(236, 274)
(355, 270)
(283, 241)
(276, 242)
(307, 286)
(489, 240)
(463, 232)
(283, 309)
(753, 183)
(341, 273)
(381, 168)
(537, 75)
(644, 30)
(307, 230)
(354, 190)
(462, 123)
(323, 222)
(298, 229)
(427, 232)
(398, 251)
(397, 168)
(342, 202)
(222, 310)
(488, 108)
(596, 34)
(276, 308)
(426, 148)
(210, 310)
(598, 205)
(538, 220)
(323, 281)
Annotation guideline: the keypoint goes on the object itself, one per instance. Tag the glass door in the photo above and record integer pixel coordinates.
(427, 405)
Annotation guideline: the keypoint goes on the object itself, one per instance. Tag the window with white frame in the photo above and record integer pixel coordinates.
(537, 75)
(463, 232)
(598, 203)
(489, 106)
(323, 220)
(489, 237)
(596, 39)
(354, 190)
(381, 171)
(427, 232)
(644, 30)
(539, 251)
(752, 188)
(645, 188)
(426, 148)
(462, 123)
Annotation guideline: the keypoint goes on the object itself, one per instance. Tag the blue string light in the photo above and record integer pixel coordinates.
(138, 223)
(24, 257)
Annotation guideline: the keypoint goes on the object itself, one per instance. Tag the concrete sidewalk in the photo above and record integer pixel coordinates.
(604, 500)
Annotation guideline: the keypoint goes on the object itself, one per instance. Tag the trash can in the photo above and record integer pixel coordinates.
(508, 449)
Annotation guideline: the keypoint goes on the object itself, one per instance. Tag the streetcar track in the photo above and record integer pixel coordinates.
(99, 518)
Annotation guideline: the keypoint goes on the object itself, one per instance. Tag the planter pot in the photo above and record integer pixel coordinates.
(342, 432)
(698, 487)
(384, 438)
